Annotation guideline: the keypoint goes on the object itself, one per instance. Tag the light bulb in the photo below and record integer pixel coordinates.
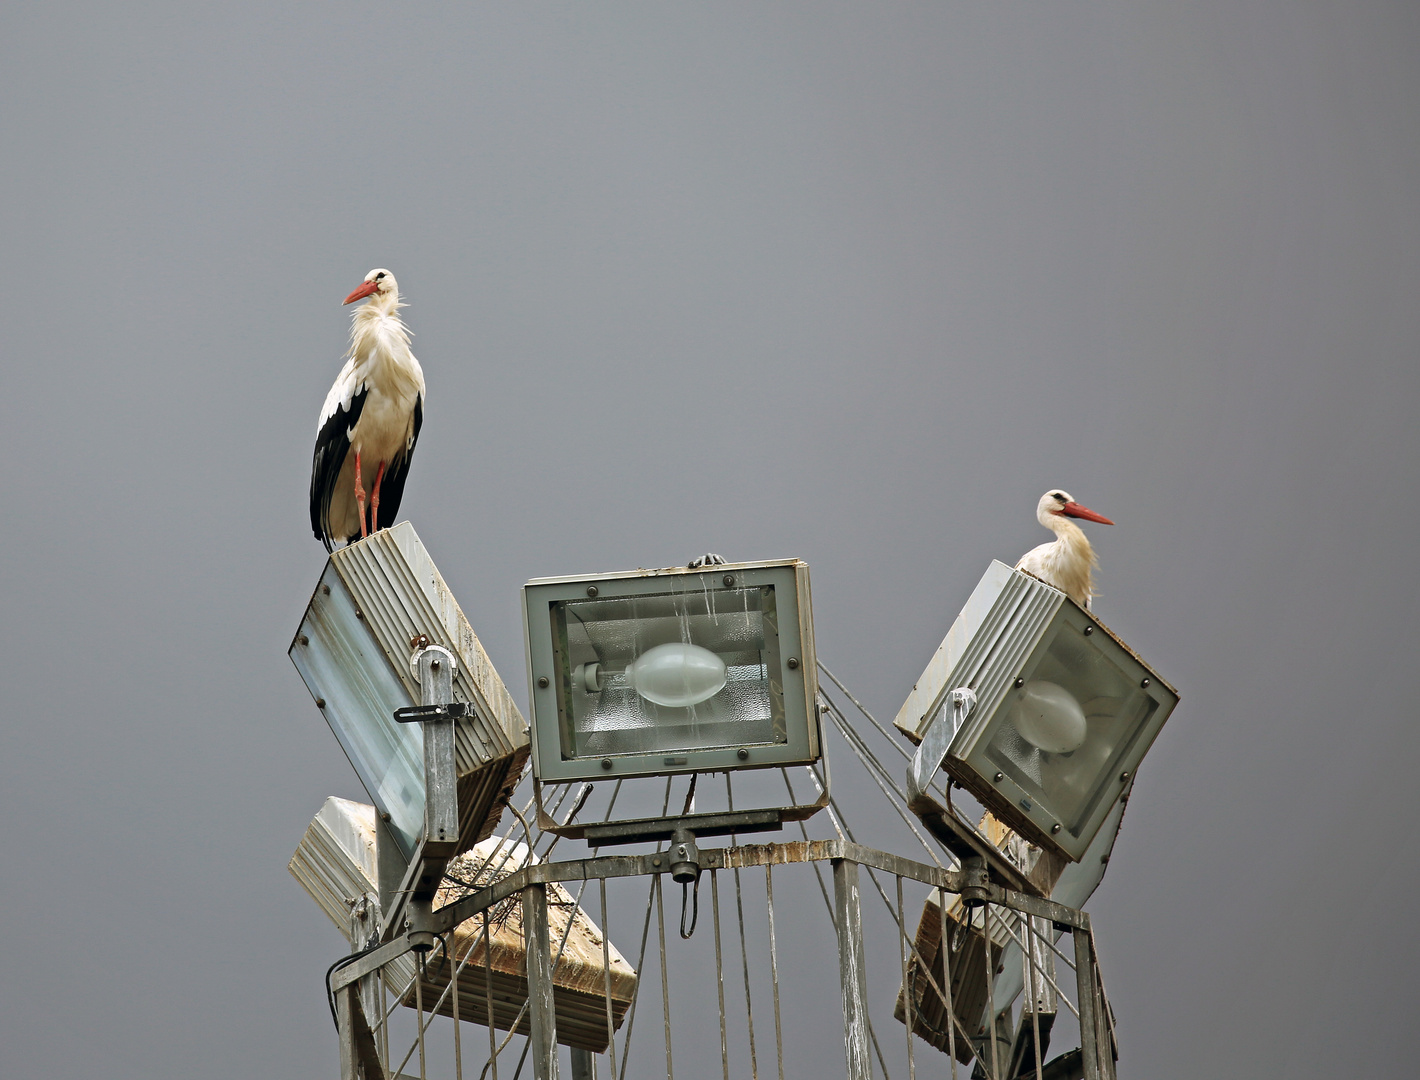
(676, 675)
(1048, 717)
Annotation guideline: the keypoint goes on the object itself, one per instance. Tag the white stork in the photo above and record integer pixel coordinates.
(369, 422)
(1067, 562)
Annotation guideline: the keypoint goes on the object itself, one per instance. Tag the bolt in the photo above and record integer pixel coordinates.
(320, 703)
(433, 665)
(1089, 630)
(728, 579)
(656, 861)
(304, 640)
(419, 641)
(542, 682)
(681, 849)
(384, 817)
(1000, 776)
(1124, 778)
(359, 614)
(592, 590)
(793, 663)
(1019, 682)
(742, 754)
(1055, 828)
(1104, 858)
(606, 763)
(325, 589)
(1144, 682)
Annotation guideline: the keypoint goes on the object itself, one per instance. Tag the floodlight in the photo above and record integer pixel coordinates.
(1037, 708)
(680, 670)
(380, 602)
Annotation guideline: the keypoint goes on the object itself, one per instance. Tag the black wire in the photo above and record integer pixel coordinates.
(342, 962)
(694, 908)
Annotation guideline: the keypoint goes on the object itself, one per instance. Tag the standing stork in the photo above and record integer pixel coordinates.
(370, 421)
(1067, 562)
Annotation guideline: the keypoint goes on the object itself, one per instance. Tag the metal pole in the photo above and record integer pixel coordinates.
(584, 1066)
(542, 1040)
(1085, 993)
(852, 970)
(349, 1057)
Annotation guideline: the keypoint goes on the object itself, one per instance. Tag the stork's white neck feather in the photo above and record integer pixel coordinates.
(379, 344)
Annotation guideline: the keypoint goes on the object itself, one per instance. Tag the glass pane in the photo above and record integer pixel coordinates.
(687, 669)
(1063, 735)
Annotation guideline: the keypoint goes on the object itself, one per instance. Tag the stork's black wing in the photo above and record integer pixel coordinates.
(332, 447)
(392, 489)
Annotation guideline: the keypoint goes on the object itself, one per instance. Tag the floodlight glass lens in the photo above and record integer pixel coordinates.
(1065, 746)
(694, 667)
(1048, 717)
(677, 675)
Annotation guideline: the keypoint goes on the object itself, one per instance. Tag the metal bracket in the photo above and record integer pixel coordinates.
(419, 714)
(937, 740)
(638, 830)
(438, 713)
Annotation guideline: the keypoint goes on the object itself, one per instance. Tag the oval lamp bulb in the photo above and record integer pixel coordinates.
(1048, 717)
(676, 675)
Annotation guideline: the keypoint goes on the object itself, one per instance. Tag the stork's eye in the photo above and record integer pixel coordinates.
(1060, 495)
(380, 275)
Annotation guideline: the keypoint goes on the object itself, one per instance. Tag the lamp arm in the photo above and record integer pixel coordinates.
(936, 740)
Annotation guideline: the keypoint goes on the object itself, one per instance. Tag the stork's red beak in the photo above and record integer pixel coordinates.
(363, 291)
(1074, 509)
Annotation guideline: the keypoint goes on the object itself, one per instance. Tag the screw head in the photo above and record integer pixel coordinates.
(742, 754)
(999, 777)
(793, 663)
(304, 640)
(1089, 630)
(419, 641)
(1019, 682)
(1144, 683)
(325, 589)
(433, 665)
(656, 860)
(606, 763)
(543, 682)
(359, 614)
(1055, 828)
(592, 590)
(1124, 778)
(384, 817)
(320, 703)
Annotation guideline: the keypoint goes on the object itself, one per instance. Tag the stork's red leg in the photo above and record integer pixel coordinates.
(375, 500)
(360, 496)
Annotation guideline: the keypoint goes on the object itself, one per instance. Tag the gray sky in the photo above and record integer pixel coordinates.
(845, 283)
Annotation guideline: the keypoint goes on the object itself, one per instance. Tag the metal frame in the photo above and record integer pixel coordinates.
(530, 883)
(797, 674)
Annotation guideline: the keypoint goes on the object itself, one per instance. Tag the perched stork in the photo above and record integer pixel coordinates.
(1067, 562)
(370, 421)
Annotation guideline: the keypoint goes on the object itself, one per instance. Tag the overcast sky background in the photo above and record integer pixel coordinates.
(854, 284)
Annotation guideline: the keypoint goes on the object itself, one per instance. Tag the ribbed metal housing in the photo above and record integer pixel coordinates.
(335, 864)
(378, 602)
(998, 638)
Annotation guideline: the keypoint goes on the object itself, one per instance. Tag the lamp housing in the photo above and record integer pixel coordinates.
(655, 672)
(378, 604)
(1064, 710)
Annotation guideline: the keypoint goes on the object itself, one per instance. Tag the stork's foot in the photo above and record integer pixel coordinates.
(708, 559)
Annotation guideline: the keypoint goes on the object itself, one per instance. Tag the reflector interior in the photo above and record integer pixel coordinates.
(1116, 709)
(601, 714)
